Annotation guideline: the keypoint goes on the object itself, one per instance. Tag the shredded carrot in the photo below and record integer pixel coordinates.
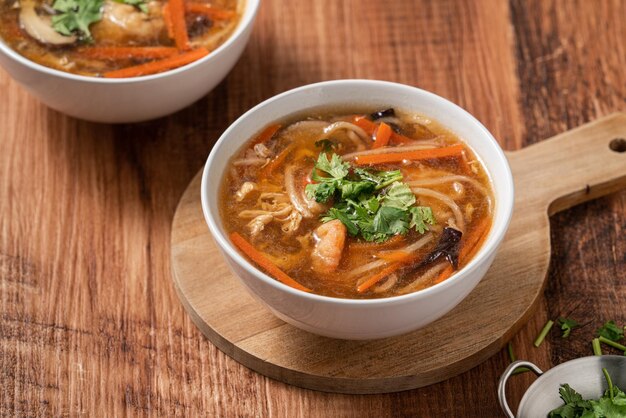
(370, 127)
(262, 261)
(392, 256)
(278, 160)
(365, 124)
(179, 26)
(167, 18)
(127, 52)
(212, 12)
(379, 276)
(383, 133)
(159, 66)
(452, 151)
(267, 134)
(444, 275)
(469, 248)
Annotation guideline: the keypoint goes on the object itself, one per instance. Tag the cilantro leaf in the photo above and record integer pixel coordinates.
(611, 331)
(140, 4)
(569, 395)
(381, 179)
(352, 189)
(420, 216)
(321, 192)
(334, 213)
(567, 325)
(399, 195)
(335, 167)
(390, 220)
(75, 17)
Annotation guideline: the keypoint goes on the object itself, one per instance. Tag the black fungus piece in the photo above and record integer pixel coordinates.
(448, 247)
(198, 25)
(383, 113)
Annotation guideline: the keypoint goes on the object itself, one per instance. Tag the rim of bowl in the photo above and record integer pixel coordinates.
(491, 243)
(568, 364)
(250, 10)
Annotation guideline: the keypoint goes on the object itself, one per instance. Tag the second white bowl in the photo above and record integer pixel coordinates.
(132, 99)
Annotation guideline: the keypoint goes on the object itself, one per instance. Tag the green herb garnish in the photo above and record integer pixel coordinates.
(611, 331)
(140, 4)
(544, 331)
(567, 325)
(75, 17)
(611, 404)
(595, 345)
(374, 205)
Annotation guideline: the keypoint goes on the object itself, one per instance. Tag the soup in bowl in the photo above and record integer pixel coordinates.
(358, 209)
(122, 61)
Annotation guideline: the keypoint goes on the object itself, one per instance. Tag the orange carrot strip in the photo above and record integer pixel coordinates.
(267, 134)
(278, 160)
(383, 134)
(467, 250)
(396, 138)
(167, 18)
(179, 26)
(159, 66)
(453, 151)
(444, 275)
(212, 12)
(264, 263)
(392, 256)
(365, 124)
(379, 276)
(127, 52)
(370, 127)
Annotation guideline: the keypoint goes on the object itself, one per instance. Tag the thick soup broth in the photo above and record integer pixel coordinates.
(400, 208)
(116, 35)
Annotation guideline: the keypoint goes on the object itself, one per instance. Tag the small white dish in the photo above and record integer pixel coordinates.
(354, 318)
(130, 99)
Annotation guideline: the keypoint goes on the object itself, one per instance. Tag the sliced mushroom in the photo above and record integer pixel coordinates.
(40, 27)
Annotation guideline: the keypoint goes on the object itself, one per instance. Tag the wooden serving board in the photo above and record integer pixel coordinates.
(550, 176)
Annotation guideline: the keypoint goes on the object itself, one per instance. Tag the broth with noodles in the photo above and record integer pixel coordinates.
(357, 204)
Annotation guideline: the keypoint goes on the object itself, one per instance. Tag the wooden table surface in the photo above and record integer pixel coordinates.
(89, 319)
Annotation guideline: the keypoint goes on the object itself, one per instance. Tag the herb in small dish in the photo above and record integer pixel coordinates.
(611, 405)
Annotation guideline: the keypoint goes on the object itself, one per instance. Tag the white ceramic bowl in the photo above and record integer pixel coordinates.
(130, 99)
(352, 318)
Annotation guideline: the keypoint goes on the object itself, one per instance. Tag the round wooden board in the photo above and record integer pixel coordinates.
(550, 176)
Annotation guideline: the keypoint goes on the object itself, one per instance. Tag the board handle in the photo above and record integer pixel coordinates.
(505, 377)
(573, 167)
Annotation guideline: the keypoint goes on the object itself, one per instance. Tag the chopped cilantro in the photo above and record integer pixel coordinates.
(140, 4)
(374, 205)
(75, 16)
(611, 404)
(567, 325)
(420, 216)
(611, 331)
